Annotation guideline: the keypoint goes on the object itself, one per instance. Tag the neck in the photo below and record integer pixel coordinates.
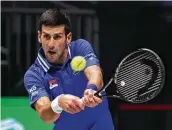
(64, 56)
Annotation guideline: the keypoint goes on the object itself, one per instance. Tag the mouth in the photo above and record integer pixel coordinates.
(51, 52)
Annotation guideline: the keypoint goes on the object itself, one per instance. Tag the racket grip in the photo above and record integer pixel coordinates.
(97, 95)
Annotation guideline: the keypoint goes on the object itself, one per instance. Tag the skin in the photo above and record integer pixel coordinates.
(54, 43)
(94, 76)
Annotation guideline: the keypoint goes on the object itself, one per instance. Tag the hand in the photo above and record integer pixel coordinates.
(70, 103)
(89, 99)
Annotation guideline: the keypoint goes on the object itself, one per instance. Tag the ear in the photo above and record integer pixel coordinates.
(39, 36)
(69, 38)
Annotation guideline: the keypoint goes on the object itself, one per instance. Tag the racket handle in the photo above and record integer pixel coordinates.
(97, 95)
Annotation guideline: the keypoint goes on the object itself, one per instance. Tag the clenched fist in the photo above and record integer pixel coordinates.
(89, 99)
(70, 103)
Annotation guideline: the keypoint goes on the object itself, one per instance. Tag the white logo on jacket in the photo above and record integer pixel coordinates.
(53, 83)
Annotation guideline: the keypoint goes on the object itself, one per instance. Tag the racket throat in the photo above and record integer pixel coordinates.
(103, 88)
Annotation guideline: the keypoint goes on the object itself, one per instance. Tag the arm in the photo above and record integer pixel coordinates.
(43, 107)
(92, 69)
(39, 98)
(94, 75)
(95, 82)
(92, 72)
(69, 103)
(49, 111)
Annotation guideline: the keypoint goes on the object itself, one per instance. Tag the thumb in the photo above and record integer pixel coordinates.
(86, 92)
(91, 93)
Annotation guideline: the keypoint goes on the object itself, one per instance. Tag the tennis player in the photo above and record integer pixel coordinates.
(54, 90)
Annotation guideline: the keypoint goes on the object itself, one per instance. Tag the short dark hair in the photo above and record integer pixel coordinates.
(55, 17)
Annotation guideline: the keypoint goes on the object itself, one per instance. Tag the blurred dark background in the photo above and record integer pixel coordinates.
(113, 28)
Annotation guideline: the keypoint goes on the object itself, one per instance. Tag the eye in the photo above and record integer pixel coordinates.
(47, 37)
(56, 37)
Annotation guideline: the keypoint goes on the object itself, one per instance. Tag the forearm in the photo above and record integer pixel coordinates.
(96, 79)
(94, 76)
(48, 115)
(43, 107)
(95, 82)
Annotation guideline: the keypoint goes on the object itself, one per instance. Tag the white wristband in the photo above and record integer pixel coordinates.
(55, 105)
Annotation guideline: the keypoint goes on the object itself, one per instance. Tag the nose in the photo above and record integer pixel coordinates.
(51, 44)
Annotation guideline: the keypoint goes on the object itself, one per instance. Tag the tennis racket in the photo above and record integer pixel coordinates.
(138, 78)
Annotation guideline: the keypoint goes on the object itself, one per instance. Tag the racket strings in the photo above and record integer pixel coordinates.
(133, 96)
(128, 72)
(134, 63)
(132, 76)
(136, 76)
(133, 85)
(156, 84)
(130, 60)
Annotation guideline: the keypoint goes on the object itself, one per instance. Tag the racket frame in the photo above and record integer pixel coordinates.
(114, 79)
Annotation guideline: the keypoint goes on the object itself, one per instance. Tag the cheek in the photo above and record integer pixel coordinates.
(44, 46)
(61, 47)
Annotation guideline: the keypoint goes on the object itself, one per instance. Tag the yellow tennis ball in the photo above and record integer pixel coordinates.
(78, 63)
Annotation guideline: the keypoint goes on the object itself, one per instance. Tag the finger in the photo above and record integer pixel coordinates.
(97, 100)
(74, 110)
(74, 107)
(90, 104)
(86, 101)
(69, 110)
(90, 96)
(83, 101)
(80, 103)
(91, 92)
(94, 105)
(94, 102)
(86, 92)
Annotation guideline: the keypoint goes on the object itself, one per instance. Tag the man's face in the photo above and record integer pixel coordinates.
(54, 43)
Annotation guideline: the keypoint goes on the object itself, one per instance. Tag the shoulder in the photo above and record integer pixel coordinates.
(34, 71)
(80, 43)
(81, 46)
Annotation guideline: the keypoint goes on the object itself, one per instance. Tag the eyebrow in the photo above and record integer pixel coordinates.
(54, 33)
